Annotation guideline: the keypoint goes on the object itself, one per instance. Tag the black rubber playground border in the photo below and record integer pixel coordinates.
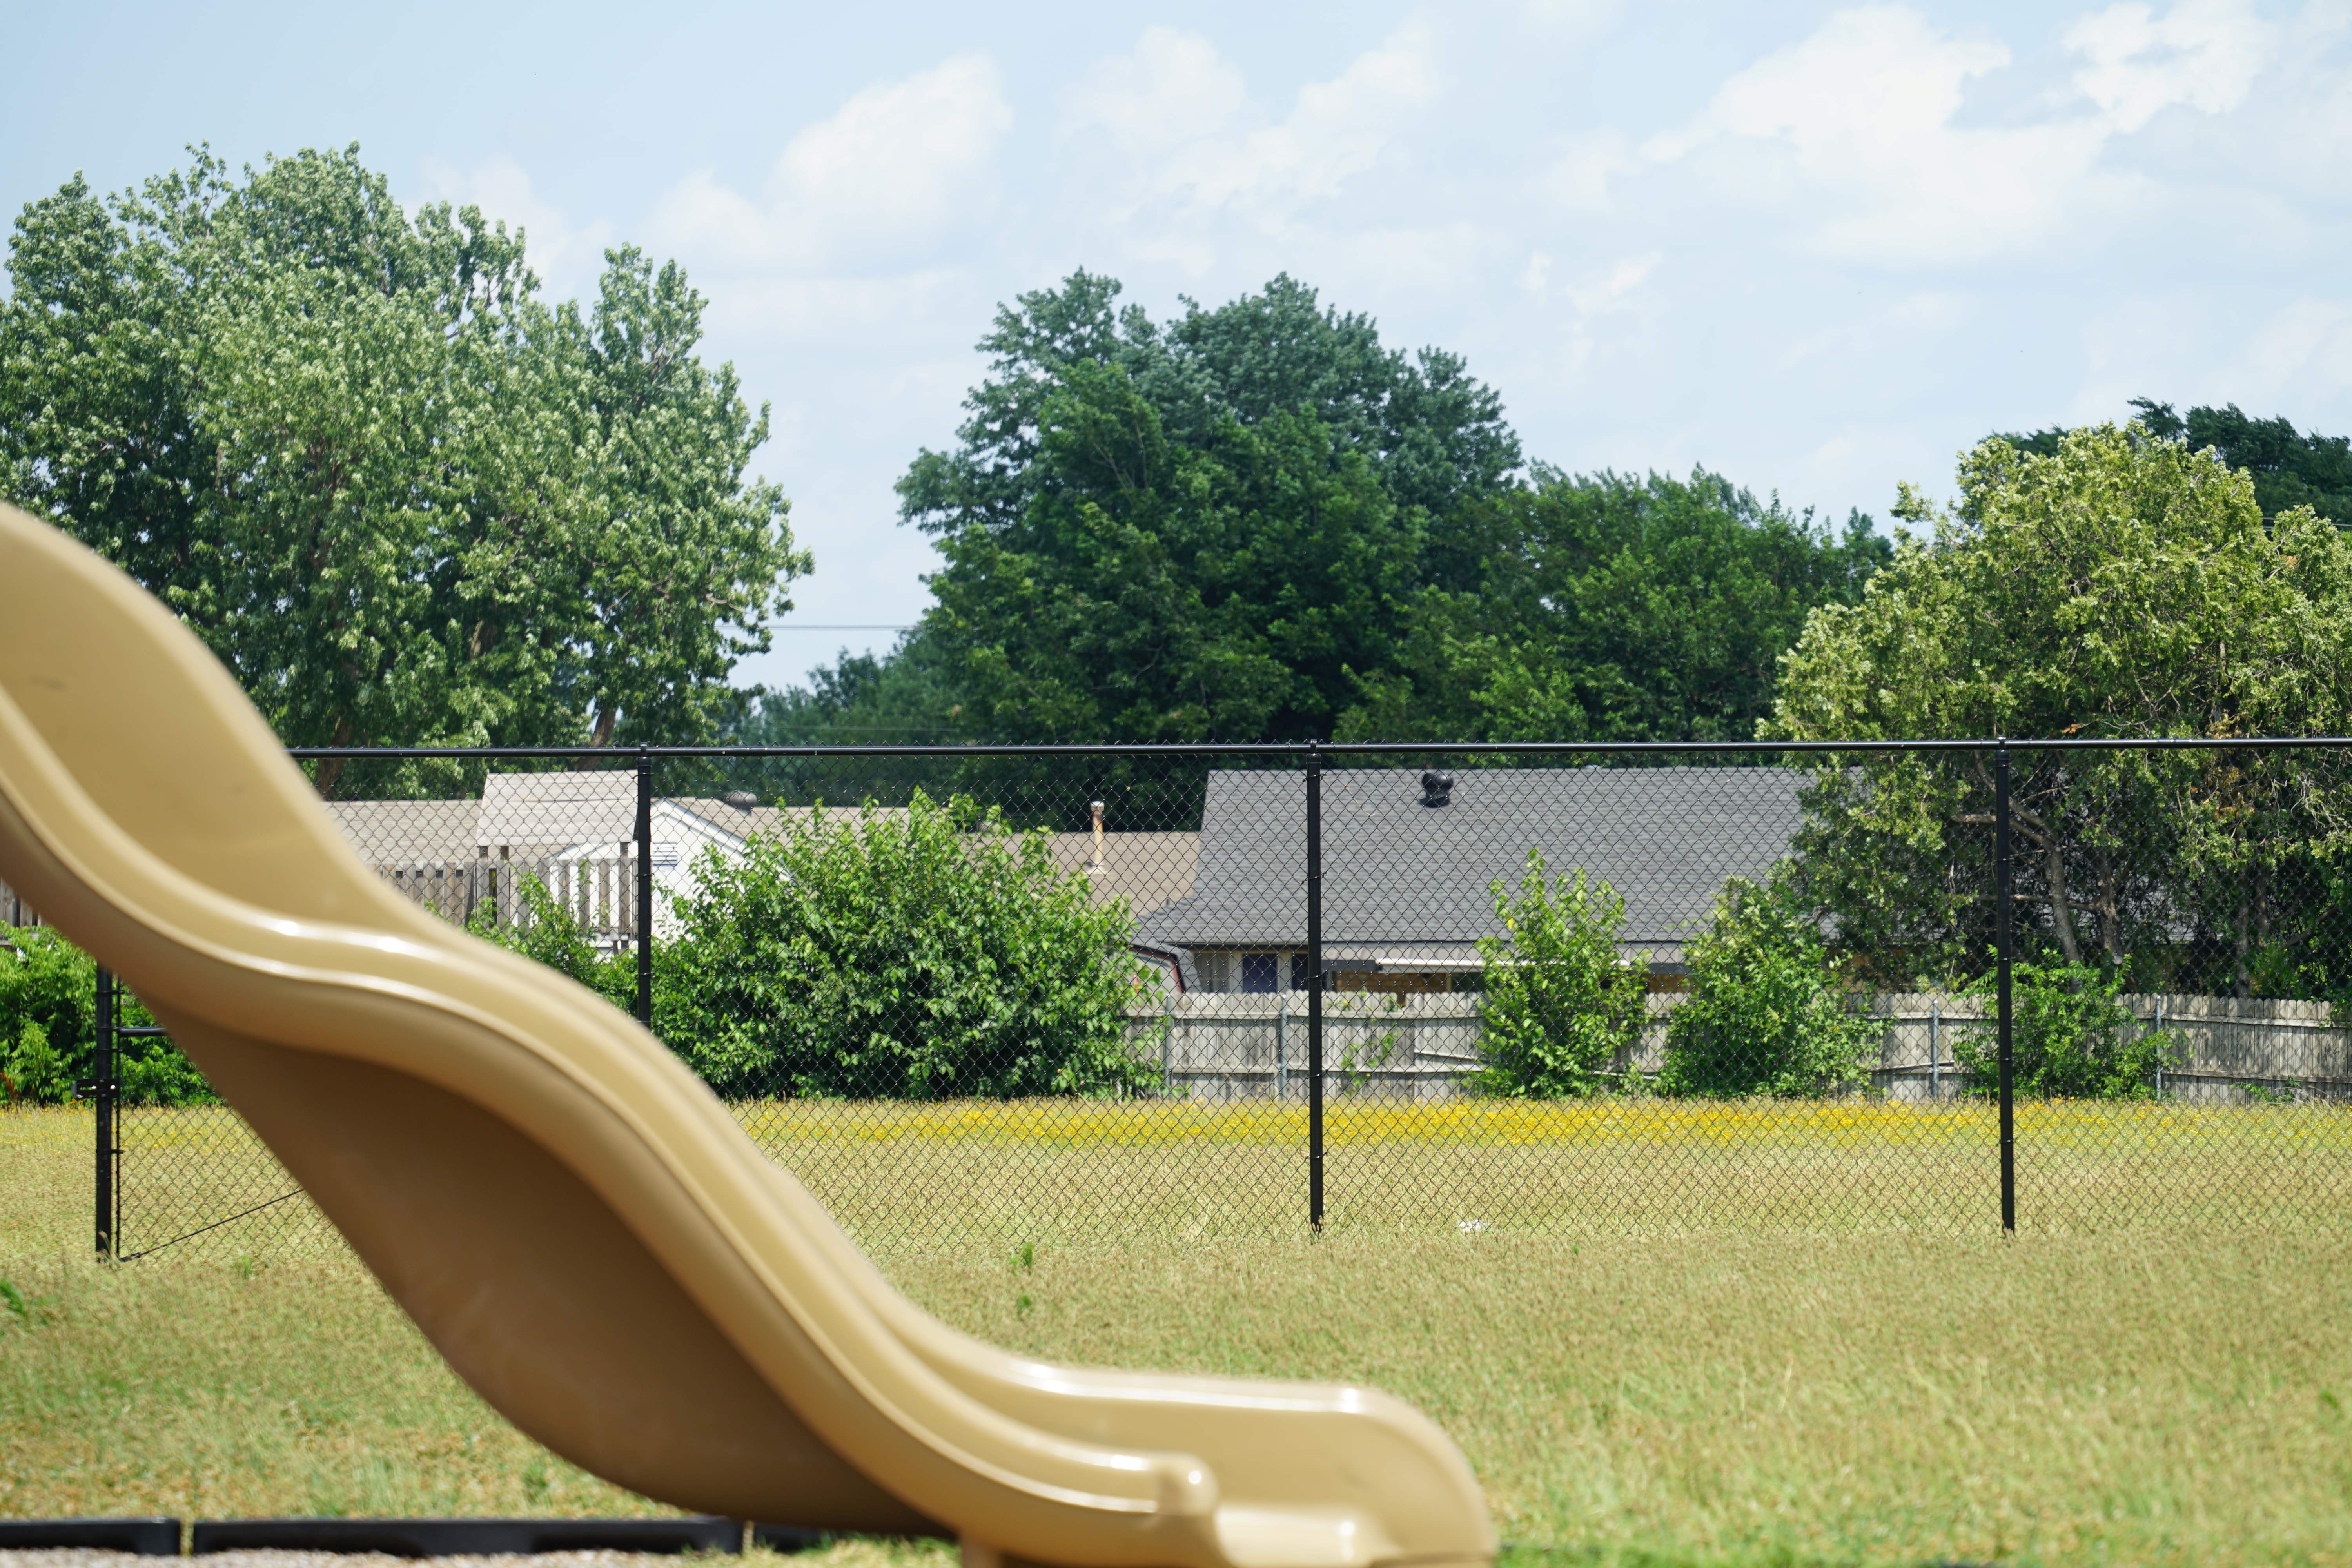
(149, 1537)
(157, 1537)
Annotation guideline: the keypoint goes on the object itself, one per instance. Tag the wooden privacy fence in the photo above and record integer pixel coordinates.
(1228, 1045)
(1231, 1046)
(598, 890)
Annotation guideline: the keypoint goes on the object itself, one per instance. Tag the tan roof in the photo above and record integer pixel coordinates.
(408, 832)
(1147, 869)
(586, 807)
(743, 822)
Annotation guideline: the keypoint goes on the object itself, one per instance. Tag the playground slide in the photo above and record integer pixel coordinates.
(571, 1218)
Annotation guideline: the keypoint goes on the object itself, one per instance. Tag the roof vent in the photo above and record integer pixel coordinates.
(1436, 789)
(741, 799)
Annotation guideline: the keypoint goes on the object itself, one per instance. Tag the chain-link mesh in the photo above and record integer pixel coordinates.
(492, 845)
(982, 1026)
(1067, 996)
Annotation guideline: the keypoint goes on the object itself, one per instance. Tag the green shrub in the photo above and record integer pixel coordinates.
(34, 1072)
(49, 1029)
(934, 956)
(2071, 1038)
(553, 935)
(1560, 1009)
(1765, 1014)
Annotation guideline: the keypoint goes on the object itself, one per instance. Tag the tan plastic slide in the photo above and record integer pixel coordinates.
(570, 1216)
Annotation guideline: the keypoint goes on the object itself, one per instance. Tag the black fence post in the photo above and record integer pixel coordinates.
(1315, 985)
(2005, 891)
(100, 1091)
(645, 887)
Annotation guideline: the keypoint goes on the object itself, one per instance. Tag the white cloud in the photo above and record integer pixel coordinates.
(2204, 53)
(567, 258)
(1581, 19)
(1173, 89)
(2303, 351)
(1578, 179)
(1867, 112)
(1614, 289)
(892, 170)
(1180, 115)
(1863, 110)
(1617, 288)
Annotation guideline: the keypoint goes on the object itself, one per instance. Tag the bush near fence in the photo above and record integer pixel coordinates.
(1759, 1033)
(48, 1031)
(934, 954)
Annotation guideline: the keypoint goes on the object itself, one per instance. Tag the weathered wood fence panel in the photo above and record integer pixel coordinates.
(1224, 1044)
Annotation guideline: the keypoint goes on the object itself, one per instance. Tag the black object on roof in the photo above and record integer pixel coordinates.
(1406, 878)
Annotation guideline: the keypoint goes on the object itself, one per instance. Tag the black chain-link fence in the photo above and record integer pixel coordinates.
(1072, 994)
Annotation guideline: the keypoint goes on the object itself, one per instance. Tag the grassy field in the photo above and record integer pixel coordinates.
(1768, 1373)
(927, 1179)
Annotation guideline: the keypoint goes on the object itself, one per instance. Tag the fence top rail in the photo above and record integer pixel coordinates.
(1305, 749)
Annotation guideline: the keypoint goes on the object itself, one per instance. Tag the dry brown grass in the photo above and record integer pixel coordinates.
(2157, 1393)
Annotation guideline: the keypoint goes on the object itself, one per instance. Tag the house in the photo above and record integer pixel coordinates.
(577, 832)
(1410, 859)
(425, 849)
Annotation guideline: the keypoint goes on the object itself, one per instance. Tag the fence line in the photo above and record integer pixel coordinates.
(2233, 1043)
(1363, 900)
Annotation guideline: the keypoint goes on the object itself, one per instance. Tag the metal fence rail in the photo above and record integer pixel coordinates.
(1081, 990)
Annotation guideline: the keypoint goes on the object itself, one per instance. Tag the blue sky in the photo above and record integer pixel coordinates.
(1819, 248)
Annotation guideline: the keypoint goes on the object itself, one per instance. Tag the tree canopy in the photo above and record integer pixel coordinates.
(1257, 522)
(1194, 530)
(2289, 468)
(2124, 586)
(405, 501)
(1615, 607)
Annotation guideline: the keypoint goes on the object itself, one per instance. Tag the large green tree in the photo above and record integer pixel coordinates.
(403, 499)
(2124, 586)
(1200, 529)
(1613, 607)
(1257, 522)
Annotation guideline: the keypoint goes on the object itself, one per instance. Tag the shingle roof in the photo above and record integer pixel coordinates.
(564, 807)
(408, 832)
(745, 822)
(1147, 869)
(1399, 875)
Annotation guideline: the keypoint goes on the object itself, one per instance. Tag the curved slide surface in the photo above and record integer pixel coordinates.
(570, 1216)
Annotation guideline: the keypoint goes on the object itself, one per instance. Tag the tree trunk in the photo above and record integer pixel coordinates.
(2111, 935)
(602, 736)
(330, 768)
(2062, 913)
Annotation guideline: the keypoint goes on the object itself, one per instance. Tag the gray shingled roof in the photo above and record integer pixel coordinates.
(1399, 876)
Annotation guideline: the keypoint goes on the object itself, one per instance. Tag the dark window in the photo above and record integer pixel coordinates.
(1301, 972)
(1257, 972)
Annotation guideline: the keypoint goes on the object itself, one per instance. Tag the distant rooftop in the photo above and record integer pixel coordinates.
(1403, 876)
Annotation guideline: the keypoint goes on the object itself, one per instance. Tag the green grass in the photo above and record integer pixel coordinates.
(1091, 1172)
(1753, 1389)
